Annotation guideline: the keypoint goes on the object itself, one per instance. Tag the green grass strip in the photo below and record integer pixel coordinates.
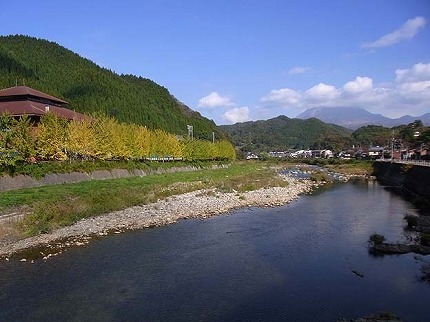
(61, 205)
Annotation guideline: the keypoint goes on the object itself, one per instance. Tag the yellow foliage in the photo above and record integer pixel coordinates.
(81, 140)
(102, 137)
(51, 138)
(163, 144)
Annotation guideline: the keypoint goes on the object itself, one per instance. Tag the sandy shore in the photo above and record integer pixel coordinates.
(196, 204)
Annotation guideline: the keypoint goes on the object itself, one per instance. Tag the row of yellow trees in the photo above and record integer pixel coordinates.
(99, 137)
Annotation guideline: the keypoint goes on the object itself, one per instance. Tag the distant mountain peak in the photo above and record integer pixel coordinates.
(355, 117)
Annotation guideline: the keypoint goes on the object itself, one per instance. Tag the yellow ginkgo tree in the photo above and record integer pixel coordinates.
(51, 137)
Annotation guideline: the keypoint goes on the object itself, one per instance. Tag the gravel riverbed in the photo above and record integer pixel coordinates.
(196, 204)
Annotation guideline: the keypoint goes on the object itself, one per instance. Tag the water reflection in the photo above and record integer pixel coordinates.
(293, 263)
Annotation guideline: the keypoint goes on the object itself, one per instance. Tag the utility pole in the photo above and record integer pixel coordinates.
(213, 137)
(190, 132)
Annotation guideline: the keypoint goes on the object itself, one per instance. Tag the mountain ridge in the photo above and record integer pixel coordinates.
(356, 117)
(282, 133)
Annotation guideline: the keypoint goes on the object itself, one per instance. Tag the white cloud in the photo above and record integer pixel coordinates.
(298, 70)
(408, 93)
(360, 93)
(415, 88)
(215, 100)
(414, 83)
(407, 31)
(223, 108)
(322, 93)
(358, 85)
(237, 114)
(418, 72)
(285, 96)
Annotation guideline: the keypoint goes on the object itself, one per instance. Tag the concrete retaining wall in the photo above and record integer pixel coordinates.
(23, 181)
(412, 178)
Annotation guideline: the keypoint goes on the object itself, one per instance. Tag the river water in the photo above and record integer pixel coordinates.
(292, 263)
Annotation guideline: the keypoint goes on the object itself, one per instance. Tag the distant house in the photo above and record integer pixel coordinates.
(277, 154)
(317, 153)
(251, 156)
(375, 152)
(346, 155)
(327, 154)
(23, 100)
(423, 153)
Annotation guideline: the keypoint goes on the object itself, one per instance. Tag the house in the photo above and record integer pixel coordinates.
(327, 154)
(423, 153)
(346, 155)
(277, 154)
(375, 152)
(251, 156)
(23, 100)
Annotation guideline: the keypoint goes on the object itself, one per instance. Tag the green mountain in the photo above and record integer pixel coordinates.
(55, 70)
(408, 136)
(282, 133)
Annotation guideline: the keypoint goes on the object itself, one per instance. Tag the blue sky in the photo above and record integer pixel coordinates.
(238, 60)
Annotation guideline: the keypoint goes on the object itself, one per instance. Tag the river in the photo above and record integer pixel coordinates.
(292, 263)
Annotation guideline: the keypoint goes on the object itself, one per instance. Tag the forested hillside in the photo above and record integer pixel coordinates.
(282, 133)
(412, 135)
(55, 70)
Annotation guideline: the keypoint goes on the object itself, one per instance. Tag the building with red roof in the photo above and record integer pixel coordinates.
(23, 100)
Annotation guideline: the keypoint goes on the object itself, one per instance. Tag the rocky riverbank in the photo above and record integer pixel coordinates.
(378, 317)
(397, 249)
(196, 204)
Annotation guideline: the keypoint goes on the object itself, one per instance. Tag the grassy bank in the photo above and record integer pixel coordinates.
(352, 166)
(51, 207)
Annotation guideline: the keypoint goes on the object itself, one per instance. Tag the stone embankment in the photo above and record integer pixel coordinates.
(413, 179)
(24, 181)
(196, 204)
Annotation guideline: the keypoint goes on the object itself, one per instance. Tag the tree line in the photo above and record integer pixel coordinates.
(98, 137)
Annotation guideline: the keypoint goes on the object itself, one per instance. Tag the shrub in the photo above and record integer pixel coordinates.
(425, 239)
(249, 187)
(320, 177)
(376, 239)
(411, 220)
